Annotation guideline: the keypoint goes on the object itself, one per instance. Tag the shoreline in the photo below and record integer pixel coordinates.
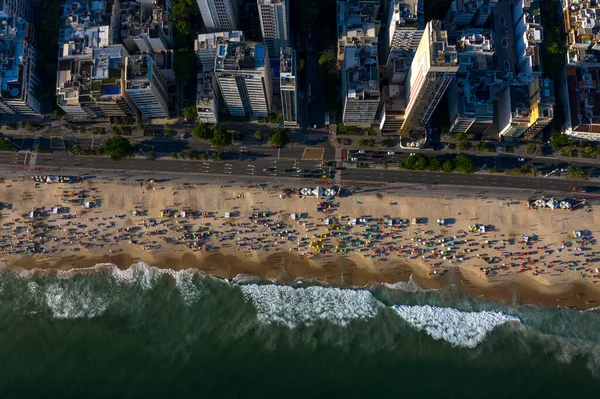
(277, 234)
(519, 290)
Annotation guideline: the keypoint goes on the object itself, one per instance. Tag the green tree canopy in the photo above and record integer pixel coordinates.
(258, 135)
(221, 137)
(190, 113)
(203, 132)
(184, 64)
(327, 60)
(559, 140)
(464, 164)
(577, 173)
(279, 138)
(118, 147)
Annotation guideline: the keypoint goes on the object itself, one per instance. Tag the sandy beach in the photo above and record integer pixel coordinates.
(505, 250)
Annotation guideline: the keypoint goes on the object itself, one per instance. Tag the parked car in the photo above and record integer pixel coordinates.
(354, 159)
(391, 153)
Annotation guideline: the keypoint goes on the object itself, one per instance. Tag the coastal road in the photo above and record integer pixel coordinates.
(276, 170)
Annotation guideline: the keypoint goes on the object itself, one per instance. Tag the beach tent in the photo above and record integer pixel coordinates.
(318, 192)
(540, 203)
(52, 179)
(552, 203)
(482, 229)
(565, 205)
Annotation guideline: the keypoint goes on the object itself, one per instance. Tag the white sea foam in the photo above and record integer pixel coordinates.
(466, 329)
(280, 304)
(74, 303)
(407, 286)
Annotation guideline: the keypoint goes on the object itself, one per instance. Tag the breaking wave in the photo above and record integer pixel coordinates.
(281, 304)
(466, 329)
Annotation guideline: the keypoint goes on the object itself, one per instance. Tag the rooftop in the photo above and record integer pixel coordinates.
(362, 71)
(235, 56)
(13, 36)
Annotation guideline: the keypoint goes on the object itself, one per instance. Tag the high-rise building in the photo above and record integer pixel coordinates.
(207, 44)
(287, 79)
(84, 30)
(207, 99)
(219, 15)
(17, 8)
(274, 24)
(432, 69)
(405, 25)
(244, 76)
(18, 79)
(146, 85)
(360, 85)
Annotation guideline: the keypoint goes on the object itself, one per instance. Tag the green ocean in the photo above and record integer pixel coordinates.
(150, 333)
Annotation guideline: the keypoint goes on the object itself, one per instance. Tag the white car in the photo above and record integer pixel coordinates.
(391, 153)
(521, 159)
(354, 159)
(361, 151)
(412, 154)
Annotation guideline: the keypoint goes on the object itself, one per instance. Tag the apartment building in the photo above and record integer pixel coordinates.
(85, 28)
(469, 13)
(17, 8)
(432, 70)
(360, 85)
(274, 18)
(405, 24)
(142, 26)
(18, 78)
(357, 24)
(289, 94)
(146, 85)
(521, 104)
(207, 44)
(582, 21)
(244, 76)
(207, 99)
(219, 15)
(470, 99)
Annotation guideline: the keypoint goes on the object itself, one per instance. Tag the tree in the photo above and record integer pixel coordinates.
(6, 145)
(434, 164)
(577, 173)
(221, 137)
(415, 162)
(203, 132)
(279, 138)
(190, 113)
(327, 61)
(59, 113)
(448, 166)
(387, 142)
(118, 147)
(217, 156)
(258, 135)
(464, 164)
(559, 140)
(301, 65)
(462, 137)
(184, 64)
(463, 145)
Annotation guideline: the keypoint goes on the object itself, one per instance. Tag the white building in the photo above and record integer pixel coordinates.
(207, 100)
(18, 79)
(219, 15)
(287, 79)
(274, 24)
(146, 85)
(244, 76)
(207, 44)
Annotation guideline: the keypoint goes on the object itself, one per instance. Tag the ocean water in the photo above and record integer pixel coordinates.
(150, 333)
